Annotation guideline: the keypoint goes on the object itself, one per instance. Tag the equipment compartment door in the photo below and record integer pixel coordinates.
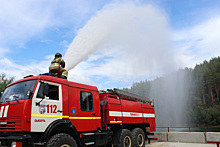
(87, 117)
(48, 110)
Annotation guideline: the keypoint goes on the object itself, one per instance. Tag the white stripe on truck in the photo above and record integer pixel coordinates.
(130, 114)
(6, 111)
(2, 108)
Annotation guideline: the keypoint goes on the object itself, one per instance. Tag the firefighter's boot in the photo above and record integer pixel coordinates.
(63, 77)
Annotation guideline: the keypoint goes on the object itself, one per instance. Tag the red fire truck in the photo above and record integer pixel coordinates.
(48, 111)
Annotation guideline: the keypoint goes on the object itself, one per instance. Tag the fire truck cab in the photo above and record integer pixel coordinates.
(48, 111)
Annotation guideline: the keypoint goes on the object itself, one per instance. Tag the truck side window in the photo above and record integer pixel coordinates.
(53, 93)
(86, 101)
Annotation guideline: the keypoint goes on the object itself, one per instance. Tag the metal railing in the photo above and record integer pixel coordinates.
(190, 128)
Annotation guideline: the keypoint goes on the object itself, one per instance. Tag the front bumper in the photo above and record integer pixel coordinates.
(15, 138)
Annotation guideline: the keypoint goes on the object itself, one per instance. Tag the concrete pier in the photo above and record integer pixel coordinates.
(192, 137)
(187, 137)
(213, 136)
(178, 144)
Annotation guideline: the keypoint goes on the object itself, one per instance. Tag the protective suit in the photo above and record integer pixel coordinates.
(57, 67)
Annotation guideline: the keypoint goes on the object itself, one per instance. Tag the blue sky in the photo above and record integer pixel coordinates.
(129, 40)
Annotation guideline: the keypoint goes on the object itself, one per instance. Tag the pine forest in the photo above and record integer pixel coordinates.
(187, 97)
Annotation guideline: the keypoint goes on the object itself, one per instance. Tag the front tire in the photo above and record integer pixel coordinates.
(138, 137)
(61, 140)
(125, 138)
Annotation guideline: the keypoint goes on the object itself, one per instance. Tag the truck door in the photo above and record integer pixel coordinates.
(88, 115)
(47, 110)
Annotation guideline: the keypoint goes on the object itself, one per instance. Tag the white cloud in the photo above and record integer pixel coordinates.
(21, 20)
(49, 57)
(3, 50)
(198, 43)
(77, 75)
(19, 71)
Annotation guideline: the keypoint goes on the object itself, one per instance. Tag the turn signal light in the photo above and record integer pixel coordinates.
(147, 129)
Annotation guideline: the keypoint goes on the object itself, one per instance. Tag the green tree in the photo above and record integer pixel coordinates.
(4, 81)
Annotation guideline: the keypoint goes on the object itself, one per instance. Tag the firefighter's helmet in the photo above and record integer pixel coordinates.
(57, 55)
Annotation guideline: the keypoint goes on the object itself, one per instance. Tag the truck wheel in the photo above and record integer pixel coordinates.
(138, 137)
(125, 138)
(61, 140)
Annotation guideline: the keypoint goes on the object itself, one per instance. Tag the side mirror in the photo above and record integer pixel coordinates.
(43, 90)
(29, 93)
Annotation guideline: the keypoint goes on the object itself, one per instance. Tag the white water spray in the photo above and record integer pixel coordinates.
(138, 36)
(132, 41)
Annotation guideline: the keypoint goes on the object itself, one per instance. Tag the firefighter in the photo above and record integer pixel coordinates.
(57, 67)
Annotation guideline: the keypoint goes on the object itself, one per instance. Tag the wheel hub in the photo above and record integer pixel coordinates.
(140, 140)
(65, 145)
(127, 141)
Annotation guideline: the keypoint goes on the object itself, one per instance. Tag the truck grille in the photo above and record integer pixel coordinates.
(10, 124)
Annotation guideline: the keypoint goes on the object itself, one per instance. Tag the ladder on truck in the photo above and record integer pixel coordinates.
(128, 95)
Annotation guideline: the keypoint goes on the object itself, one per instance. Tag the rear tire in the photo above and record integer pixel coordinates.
(61, 140)
(138, 137)
(125, 138)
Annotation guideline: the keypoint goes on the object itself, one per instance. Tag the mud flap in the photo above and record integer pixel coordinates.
(116, 135)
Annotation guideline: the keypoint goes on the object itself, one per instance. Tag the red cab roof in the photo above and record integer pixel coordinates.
(56, 80)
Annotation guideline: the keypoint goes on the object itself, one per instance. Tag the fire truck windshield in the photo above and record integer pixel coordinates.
(18, 91)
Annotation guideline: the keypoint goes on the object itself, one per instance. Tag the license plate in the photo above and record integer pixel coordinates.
(3, 123)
